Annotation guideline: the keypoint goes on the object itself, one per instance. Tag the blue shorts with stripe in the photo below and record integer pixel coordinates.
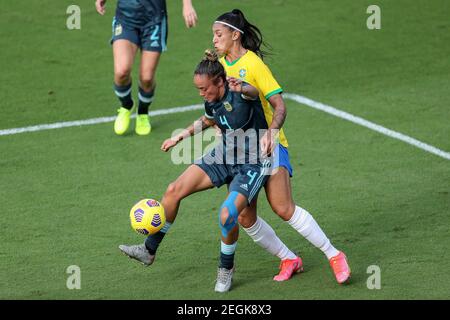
(281, 159)
(246, 179)
(150, 38)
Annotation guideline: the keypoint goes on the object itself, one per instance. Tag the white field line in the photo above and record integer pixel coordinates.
(362, 122)
(294, 97)
(87, 122)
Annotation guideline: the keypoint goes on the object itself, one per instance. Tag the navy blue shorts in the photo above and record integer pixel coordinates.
(150, 38)
(246, 179)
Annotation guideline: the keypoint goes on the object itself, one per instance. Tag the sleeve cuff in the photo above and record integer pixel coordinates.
(274, 92)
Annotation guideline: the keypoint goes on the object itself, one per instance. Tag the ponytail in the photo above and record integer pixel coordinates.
(251, 37)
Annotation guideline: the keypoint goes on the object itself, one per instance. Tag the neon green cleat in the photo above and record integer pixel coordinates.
(143, 126)
(122, 121)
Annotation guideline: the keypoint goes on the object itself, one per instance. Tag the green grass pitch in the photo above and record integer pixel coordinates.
(65, 194)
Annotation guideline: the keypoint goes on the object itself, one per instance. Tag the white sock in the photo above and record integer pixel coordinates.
(265, 236)
(305, 224)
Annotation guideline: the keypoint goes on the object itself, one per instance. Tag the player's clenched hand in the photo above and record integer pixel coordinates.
(100, 6)
(189, 15)
(169, 143)
(234, 84)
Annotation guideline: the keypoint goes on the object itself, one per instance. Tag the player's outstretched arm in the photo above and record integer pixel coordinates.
(100, 6)
(189, 14)
(198, 126)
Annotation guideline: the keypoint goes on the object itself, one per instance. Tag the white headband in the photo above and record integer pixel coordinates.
(230, 25)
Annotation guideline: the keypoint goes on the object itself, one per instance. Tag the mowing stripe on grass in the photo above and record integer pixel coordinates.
(294, 97)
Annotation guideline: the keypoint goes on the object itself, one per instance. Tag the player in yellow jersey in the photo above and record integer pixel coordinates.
(239, 43)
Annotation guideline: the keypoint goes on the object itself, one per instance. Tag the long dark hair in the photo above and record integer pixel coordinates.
(211, 67)
(252, 38)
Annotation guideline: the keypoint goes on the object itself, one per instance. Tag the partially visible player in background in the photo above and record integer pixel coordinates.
(240, 44)
(235, 109)
(139, 24)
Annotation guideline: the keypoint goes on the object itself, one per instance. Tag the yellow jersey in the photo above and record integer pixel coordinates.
(251, 69)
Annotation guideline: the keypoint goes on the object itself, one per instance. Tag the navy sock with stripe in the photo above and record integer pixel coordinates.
(124, 95)
(152, 242)
(145, 99)
(227, 255)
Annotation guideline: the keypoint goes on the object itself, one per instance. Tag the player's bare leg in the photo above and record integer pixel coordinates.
(192, 180)
(147, 85)
(279, 195)
(147, 69)
(124, 53)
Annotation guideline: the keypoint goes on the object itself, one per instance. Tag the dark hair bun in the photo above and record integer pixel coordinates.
(211, 55)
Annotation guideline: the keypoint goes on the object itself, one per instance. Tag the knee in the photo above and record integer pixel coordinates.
(173, 191)
(246, 220)
(224, 215)
(146, 82)
(122, 76)
(228, 216)
(284, 210)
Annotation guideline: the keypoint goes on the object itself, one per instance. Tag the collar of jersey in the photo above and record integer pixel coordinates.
(232, 63)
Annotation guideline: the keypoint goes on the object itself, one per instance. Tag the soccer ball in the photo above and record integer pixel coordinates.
(147, 217)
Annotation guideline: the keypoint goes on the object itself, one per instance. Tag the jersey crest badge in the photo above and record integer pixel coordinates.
(227, 106)
(118, 30)
(242, 73)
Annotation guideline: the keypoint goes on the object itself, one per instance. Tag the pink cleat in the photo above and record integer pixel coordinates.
(340, 268)
(288, 267)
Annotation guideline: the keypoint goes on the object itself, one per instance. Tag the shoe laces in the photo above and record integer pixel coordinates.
(139, 248)
(224, 275)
